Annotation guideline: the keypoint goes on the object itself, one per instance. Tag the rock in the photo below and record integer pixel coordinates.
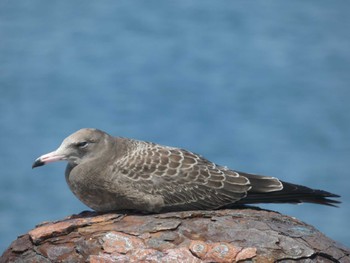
(244, 235)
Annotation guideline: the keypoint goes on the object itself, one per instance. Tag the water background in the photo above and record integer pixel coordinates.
(259, 86)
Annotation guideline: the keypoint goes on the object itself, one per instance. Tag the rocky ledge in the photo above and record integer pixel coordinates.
(240, 235)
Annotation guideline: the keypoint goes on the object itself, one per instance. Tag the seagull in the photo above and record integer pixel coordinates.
(109, 173)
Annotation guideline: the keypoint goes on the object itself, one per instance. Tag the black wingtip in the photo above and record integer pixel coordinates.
(325, 200)
(294, 194)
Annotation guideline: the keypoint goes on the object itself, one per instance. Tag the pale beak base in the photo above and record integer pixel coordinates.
(48, 158)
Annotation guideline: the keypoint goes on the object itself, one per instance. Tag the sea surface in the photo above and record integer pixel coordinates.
(258, 86)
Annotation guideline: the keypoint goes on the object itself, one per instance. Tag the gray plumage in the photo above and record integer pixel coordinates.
(113, 173)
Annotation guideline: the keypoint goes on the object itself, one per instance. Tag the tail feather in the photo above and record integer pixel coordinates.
(291, 193)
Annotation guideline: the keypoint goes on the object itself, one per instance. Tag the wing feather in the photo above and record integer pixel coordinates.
(182, 178)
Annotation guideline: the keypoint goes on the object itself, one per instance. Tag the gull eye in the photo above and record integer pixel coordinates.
(82, 144)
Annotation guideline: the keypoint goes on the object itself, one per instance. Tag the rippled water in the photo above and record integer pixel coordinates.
(261, 87)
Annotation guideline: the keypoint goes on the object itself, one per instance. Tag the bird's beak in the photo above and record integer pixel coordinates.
(48, 158)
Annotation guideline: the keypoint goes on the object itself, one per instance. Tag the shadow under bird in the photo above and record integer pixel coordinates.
(113, 173)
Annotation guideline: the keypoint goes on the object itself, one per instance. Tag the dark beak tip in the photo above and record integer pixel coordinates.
(37, 163)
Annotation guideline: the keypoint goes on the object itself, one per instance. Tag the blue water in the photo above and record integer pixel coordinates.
(259, 86)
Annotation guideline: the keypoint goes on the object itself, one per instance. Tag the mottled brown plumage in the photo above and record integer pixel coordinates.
(113, 173)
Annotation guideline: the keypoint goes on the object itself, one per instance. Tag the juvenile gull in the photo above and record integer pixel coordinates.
(112, 173)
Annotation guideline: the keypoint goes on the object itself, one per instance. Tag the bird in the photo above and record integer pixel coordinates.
(109, 173)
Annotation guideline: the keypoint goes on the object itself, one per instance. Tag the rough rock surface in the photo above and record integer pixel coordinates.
(244, 235)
